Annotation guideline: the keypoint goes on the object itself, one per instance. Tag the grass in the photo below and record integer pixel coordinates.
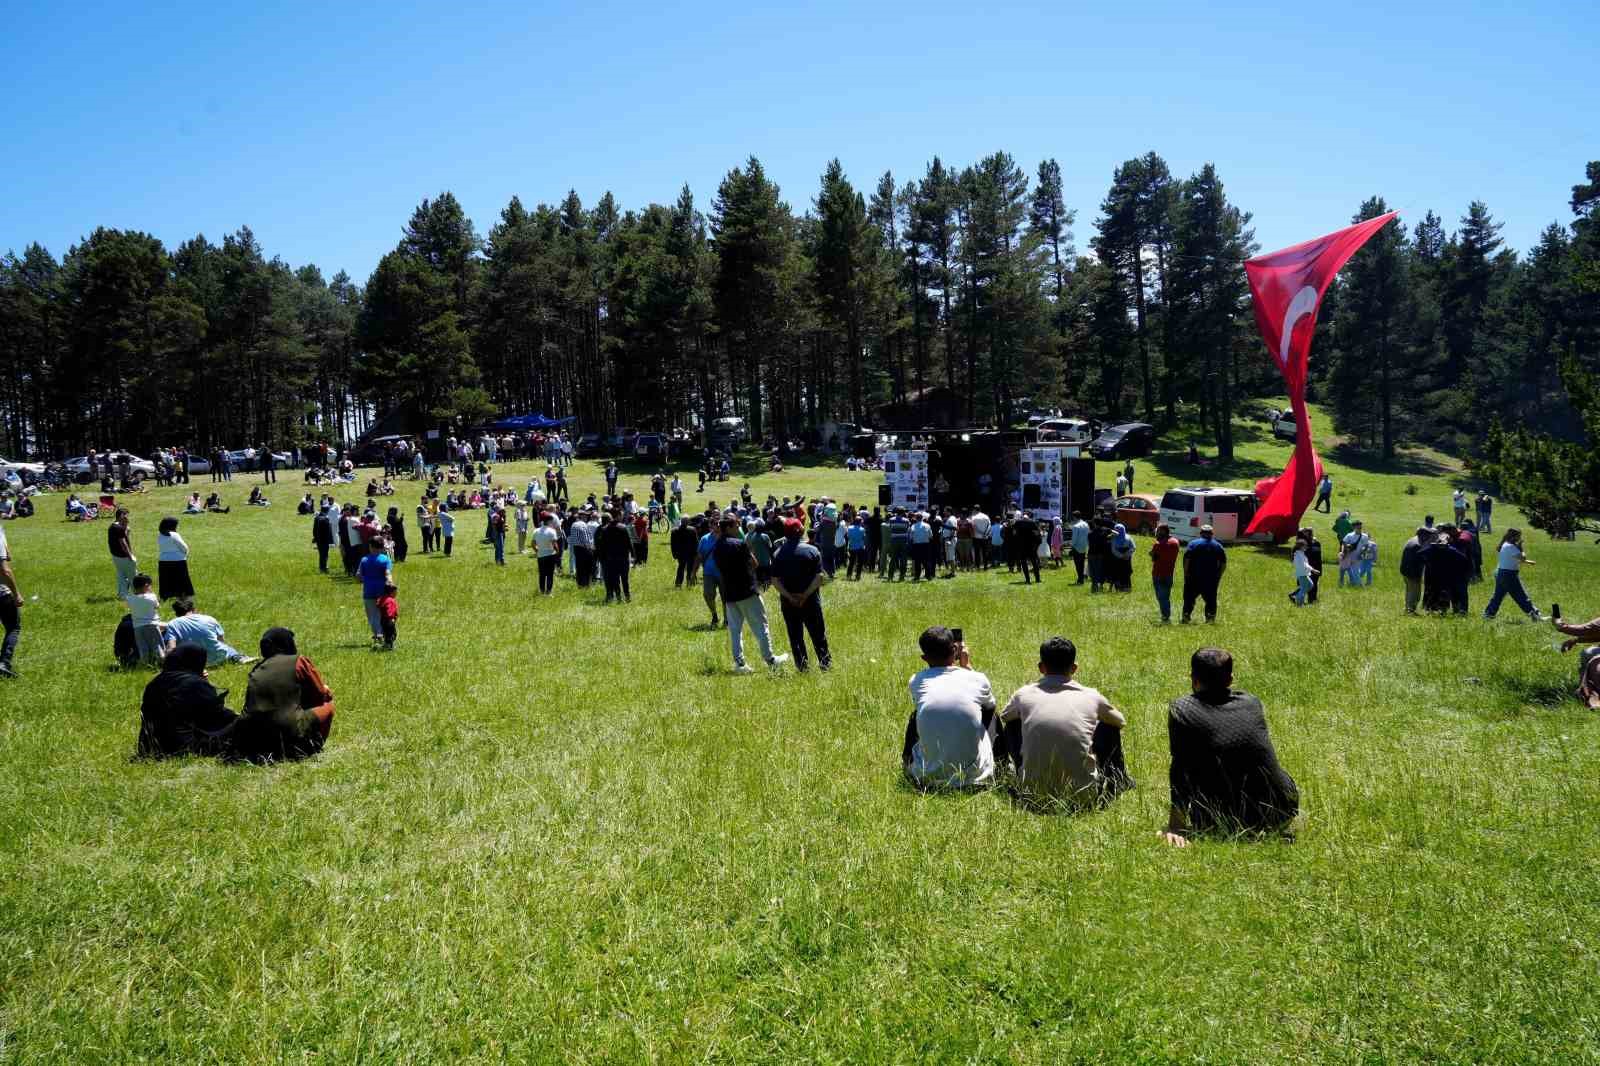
(552, 830)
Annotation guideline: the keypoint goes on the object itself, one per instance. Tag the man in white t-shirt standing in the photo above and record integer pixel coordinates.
(547, 546)
(980, 538)
(949, 739)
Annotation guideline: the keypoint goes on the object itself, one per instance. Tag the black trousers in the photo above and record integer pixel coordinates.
(615, 570)
(448, 542)
(322, 557)
(1077, 564)
(11, 618)
(547, 572)
(1030, 564)
(980, 551)
(427, 539)
(802, 620)
(685, 573)
(270, 474)
(583, 566)
(1199, 590)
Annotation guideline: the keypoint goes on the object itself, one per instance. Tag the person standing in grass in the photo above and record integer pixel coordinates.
(1352, 546)
(376, 575)
(322, 537)
(1121, 549)
(1127, 473)
(497, 532)
(1063, 739)
(10, 609)
(710, 578)
(981, 524)
(611, 478)
(1458, 502)
(172, 561)
(949, 740)
(615, 549)
(856, 543)
(1485, 512)
(144, 610)
(522, 526)
(1204, 562)
(547, 547)
(1411, 566)
(1342, 526)
(1025, 539)
(1303, 572)
(797, 570)
(447, 530)
(122, 557)
(741, 599)
(1324, 494)
(1225, 775)
(1444, 573)
(1314, 557)
(1080, 543)
(397, 534)
(1508, 577)
(389, 614)
(683, 543)
(1163, 564)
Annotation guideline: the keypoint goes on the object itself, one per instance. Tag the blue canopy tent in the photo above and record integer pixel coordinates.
(533, 421)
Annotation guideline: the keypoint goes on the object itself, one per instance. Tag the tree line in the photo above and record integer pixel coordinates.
(963, 278)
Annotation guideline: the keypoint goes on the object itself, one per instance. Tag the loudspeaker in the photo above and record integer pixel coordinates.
(1080, 488)
(885, 494)
(1032, 497)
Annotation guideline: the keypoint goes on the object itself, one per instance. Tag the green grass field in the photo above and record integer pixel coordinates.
(550, 830)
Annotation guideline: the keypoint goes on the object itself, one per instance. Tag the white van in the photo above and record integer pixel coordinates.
(1066, 431)
(1227, 511)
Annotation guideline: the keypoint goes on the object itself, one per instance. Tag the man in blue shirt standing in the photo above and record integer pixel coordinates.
(374, 570)
(797, 569)
(1204, 560)
(708, 568)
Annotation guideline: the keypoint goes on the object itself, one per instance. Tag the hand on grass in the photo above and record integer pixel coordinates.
(1177, 840)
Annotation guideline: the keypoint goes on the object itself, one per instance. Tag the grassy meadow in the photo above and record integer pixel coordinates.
(545, 829)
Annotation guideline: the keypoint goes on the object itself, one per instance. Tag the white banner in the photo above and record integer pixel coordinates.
(906, 474)
(1043, 467)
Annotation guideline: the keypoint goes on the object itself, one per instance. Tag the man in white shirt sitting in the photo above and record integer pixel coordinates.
(1064, 739)
(949, 741)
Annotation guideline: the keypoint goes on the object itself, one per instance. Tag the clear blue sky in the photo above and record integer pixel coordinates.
(321, 129)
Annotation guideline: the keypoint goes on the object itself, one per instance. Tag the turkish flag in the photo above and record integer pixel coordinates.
(1286, 288)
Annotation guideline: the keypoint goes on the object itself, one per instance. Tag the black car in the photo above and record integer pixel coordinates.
(1127, 441)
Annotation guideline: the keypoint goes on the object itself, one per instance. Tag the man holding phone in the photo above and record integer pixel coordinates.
(797, 570)
(949, 738)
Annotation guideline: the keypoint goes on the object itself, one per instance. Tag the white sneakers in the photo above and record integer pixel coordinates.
(775, 662)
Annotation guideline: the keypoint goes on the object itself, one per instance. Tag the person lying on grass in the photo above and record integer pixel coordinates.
(190, 627)
(1225, 775)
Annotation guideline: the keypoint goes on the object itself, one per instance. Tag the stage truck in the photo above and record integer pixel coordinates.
(988, 468)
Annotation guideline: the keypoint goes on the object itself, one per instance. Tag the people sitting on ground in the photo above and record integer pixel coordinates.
(288, 709)
(1587, 635)
(188, 626)
(182, 713)
(79, 511)
(1063, 739)
(949, 739)
(192, 505)
(384, 488)
(1225, 776)
(257, 499)
(214, 504)
(306, 506)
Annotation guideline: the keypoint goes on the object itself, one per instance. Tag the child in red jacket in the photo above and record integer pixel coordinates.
(389, 612)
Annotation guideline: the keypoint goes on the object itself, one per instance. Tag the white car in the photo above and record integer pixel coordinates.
(239, 460)
(80, 465)
(10, 466)
(1066, 431)
(1227, 511)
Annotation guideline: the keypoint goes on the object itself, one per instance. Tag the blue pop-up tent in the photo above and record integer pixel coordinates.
(531, 421)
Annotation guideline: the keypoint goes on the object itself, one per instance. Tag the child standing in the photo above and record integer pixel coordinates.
(145, 610)
(388, 614)
(522, 527)
(447, 530)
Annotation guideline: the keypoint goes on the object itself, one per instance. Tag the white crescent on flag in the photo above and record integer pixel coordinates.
(1304, 303)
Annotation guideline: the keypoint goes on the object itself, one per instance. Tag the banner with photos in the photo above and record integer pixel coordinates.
(1042, 467)
(906, 474)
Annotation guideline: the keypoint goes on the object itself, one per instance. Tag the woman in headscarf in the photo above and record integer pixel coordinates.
(288, 709)
(397, 534)
(1121, 558)
(172, 567)
(182, 712)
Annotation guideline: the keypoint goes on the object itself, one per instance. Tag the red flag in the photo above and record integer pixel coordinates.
(1286, 288)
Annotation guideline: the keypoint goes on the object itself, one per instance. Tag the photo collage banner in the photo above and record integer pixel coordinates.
(1042, 467)
(906, 474)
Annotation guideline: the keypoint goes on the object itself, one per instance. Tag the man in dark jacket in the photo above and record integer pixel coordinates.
(1025, 544)
(684, 543)
(1411, 567)
(1444, 574)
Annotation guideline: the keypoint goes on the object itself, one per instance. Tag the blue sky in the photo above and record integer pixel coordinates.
(322, 126)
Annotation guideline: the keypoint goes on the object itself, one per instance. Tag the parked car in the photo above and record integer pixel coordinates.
(1284, 426)
(1139, 511)
(283, 459)
(79, 465)
(1227, 511)
(1066, 431)
(13, 466)
(1126, 441)
(590, 445)
(650, 447)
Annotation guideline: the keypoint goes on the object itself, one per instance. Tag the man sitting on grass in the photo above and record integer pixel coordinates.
(1064, 739)
(948, 740)
(1225, 774)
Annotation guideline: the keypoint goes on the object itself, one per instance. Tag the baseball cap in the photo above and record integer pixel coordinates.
(792, 525)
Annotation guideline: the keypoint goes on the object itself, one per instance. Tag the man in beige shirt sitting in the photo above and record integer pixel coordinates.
(1064, 739)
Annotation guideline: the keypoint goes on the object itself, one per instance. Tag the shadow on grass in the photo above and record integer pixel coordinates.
(1409, 463)
(1176, 466)
(1543, 692)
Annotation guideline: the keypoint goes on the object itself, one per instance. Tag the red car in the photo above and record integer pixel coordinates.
(1139, 511)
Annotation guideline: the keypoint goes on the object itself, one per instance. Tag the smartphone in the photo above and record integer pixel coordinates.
(960, 637)
(1555, 612)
